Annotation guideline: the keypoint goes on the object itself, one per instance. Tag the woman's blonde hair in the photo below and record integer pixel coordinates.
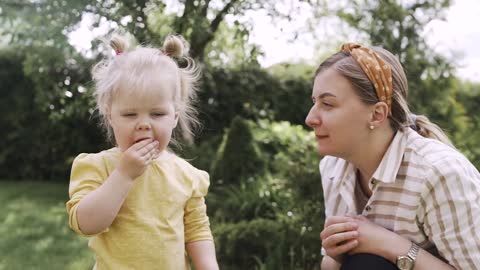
(131, 69)
(401, 117)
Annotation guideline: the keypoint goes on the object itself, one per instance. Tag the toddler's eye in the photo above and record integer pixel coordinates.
(157, 114)
(129, 114)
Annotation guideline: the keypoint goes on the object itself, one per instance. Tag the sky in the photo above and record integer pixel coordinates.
(460, 32)
(458, 36)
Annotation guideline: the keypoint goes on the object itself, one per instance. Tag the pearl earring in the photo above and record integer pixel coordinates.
(372, 127)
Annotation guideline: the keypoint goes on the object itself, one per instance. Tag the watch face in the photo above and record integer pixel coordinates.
(404, 263)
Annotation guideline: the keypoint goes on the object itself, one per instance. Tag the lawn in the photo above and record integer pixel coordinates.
(34, 232)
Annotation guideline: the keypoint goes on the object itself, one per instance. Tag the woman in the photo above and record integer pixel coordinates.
(394, 186)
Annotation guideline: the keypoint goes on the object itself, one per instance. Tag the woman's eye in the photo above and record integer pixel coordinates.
(326, 104)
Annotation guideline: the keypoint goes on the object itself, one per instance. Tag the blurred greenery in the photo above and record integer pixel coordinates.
(276, 211)
(265, 201)
(33, 229)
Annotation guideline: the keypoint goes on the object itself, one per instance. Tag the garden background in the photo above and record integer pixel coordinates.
(265, 200)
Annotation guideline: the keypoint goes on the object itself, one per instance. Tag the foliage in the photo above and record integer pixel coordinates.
(59, 120)
(469, 95)
(200, 22)
(47, 59)
(263, 239)
(269, 218)
(39, 142)
(268, 212)
(34, 229)
(239, 158)
(291, 152)
(288, 71)
(252, 93)
(230, 48)
(397, 26)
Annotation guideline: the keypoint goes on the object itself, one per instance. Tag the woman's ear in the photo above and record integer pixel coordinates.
(379, 114)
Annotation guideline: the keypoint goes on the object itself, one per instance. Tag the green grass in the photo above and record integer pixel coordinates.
(34, 232)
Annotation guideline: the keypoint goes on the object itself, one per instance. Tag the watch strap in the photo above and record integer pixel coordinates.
(413, 252)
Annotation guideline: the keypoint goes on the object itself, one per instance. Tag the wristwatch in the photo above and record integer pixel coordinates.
(406, 262)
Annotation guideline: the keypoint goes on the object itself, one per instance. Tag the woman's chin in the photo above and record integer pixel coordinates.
(326, 151)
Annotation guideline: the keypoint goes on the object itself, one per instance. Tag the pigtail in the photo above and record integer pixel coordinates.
(118, 43)
(105, 76)
(189, 78)
(176, 47)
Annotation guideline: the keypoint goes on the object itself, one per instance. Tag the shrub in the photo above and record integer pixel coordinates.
(267, 218)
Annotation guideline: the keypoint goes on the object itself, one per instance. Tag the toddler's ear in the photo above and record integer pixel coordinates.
(108, 116)
(176, 119)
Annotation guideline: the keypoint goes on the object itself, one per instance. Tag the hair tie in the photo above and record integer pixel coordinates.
(118, 52)
(377, 70)
(413, 118)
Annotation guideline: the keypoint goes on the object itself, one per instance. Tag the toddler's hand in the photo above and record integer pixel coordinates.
(137, 157)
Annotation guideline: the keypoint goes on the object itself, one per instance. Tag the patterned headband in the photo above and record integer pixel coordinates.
(378, 71)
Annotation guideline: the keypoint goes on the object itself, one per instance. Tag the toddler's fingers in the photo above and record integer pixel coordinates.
(156, 154)
(141, 144)
(153, 155)
(147, 149)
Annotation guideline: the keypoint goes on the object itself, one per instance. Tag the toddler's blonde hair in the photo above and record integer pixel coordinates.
(131, 69)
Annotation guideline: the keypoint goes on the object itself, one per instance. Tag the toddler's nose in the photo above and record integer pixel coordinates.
(143, 125)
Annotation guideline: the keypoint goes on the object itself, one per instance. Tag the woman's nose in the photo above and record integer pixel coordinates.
(313, 118)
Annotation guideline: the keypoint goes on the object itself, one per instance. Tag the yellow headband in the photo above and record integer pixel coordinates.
(378, 71)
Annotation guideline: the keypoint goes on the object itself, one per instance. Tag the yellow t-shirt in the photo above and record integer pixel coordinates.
(164, 210)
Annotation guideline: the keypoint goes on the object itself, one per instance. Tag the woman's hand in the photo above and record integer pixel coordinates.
(371, 237)
(137, 157)
(339, 236)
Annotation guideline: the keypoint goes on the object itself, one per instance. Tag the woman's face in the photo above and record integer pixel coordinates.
(338, 117)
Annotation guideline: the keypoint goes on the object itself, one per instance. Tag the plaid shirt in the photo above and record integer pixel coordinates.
(423, 190)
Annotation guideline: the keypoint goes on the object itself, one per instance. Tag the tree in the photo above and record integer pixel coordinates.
(198, 21)
(397, 26)
(469, 95)
(54, 64)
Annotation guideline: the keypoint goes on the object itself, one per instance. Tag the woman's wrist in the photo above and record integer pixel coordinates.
(399, 246)
(339, 259)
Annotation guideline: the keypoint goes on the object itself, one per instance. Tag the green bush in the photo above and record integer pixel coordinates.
(238, 157)
(251, 93)
(246, 244)
(39, 142)
(267, 219)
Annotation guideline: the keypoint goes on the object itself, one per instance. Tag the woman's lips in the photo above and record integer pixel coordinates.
(321, 136)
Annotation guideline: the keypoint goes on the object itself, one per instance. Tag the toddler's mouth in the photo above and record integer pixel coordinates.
(141, 139)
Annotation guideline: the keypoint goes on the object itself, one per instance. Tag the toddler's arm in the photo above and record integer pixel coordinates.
(202, 254)
(97, 210)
